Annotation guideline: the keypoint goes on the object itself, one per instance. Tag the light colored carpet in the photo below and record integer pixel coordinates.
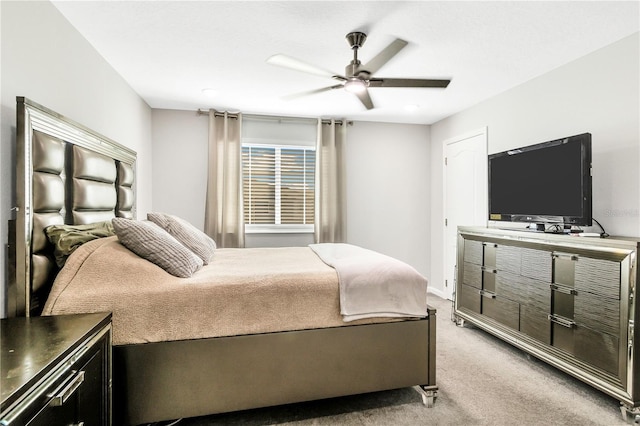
(481, 380)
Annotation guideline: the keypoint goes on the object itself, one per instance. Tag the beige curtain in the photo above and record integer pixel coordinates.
(224, 220)
(330, 221)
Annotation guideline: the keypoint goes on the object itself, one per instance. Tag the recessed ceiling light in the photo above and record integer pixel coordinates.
(209, 93)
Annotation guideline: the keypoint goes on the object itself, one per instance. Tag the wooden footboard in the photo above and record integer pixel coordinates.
(163, 381)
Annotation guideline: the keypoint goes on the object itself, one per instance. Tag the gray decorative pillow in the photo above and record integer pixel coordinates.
(149, 241)
(190, 236)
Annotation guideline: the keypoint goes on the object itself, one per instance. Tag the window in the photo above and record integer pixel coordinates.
(279, 188)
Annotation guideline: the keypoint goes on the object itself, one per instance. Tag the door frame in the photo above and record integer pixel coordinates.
(449, 291)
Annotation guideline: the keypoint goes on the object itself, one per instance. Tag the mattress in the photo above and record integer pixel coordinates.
(241, 291)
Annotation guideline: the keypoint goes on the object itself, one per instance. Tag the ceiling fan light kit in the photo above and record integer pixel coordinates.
(355, 85)
(357, 78)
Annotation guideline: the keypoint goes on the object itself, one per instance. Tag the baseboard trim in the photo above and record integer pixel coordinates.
(437, 292)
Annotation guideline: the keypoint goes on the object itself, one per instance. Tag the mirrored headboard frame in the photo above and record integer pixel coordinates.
(76, 143)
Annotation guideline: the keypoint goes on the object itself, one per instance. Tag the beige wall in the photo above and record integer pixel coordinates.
(598, 93)
(180, 163)
(388, 190)
(46, 60)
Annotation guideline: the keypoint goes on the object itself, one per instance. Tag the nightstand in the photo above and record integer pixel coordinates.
(56, 370)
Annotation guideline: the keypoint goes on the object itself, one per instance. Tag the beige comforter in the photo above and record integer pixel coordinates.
(242, 291)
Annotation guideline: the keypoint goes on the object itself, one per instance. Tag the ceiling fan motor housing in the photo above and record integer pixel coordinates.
(353, 70)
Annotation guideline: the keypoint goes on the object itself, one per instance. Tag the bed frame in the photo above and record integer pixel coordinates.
(66, 173)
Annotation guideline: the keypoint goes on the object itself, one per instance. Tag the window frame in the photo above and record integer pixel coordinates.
(280, 228)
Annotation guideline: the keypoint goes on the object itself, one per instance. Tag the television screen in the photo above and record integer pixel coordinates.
(545, 183)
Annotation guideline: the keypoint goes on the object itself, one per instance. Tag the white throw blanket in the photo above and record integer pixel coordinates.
(374, 285)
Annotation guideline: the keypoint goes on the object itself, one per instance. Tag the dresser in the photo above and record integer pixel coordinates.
(56, 370)
(567, 300)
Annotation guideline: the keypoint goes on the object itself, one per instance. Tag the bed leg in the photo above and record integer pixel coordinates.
(630, 414)
(428, 394)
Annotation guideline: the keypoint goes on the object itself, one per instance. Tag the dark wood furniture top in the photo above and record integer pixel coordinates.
(35, 349)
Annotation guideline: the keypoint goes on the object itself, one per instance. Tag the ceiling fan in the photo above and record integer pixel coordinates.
(358, 77)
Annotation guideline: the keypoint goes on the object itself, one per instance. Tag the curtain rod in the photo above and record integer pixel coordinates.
(270, 117)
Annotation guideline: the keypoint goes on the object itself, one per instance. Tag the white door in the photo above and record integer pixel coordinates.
(465, 193)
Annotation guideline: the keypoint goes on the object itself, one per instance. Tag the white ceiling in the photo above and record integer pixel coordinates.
(168, 51)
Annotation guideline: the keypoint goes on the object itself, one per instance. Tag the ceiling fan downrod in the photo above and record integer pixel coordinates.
(356, 40)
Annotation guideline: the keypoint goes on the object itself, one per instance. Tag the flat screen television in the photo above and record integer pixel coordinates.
(546, 183)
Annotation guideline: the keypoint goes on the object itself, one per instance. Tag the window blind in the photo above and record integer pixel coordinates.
(278, 184)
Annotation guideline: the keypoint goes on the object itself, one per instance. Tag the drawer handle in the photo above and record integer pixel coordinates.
(562, 321)
(562, 289)
(567, 256)
(487, 294)
(60, 396)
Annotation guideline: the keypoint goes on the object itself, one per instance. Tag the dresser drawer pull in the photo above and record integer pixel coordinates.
(565, 256)
(60, 396)
(562, 289)
(562, 321)
(487, 294)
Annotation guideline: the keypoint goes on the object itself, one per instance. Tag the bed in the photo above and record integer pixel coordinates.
(68, 174)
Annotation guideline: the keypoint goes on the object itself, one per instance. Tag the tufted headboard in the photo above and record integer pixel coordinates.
(65, 174)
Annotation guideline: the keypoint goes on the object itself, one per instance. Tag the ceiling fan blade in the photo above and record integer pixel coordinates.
(298, 65)
(384, 56)
(311, 92)
(407, 82)
(365, 98)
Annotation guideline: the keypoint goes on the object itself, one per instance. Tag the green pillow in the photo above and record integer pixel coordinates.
(67, 238)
